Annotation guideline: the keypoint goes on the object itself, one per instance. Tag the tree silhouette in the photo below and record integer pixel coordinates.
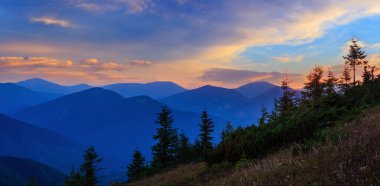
(164, 151)
(345, 79)
(330, 83)
(287, 101)
(356, 56)
(314, 86)
(185, 151)
(137, 168)
(89, 166)
(227, 130)
(206, 128)
(263, 118)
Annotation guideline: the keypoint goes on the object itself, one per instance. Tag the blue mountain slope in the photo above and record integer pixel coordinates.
(23, 140)
(154, 89)
(254, 89)
(114, 124)
(222, 102)
(42, 85)
(14, 97)
(19, 171)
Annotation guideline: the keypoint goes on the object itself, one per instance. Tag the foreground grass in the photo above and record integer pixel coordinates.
(354, 159)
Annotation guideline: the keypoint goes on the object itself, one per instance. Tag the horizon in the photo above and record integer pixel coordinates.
(189, 42)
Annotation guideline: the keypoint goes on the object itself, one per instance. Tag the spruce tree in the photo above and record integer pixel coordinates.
(185, 151)
(89, 166)
(314, 86)
(227, 130)
(287, 100)
(137, 168)
(206, 128)
(369, 74)
(356, 56)
(330, 83)
(74, 179)
(164, 151)
(263, 118)
(344, 82)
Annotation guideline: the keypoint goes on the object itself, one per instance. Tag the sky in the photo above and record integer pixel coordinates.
(191, 42)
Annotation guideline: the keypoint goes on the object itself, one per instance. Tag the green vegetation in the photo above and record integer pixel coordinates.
(312, 124)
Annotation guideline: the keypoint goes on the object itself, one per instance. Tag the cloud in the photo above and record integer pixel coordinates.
(139, 63)
(288, 59)
(51, 21)
(238, 77)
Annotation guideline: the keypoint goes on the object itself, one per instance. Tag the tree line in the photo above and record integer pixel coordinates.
(324, 100)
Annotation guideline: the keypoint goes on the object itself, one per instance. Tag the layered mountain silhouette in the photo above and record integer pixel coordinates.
(153, 89)
(21, 171)
(254, 89)
(20, 139)
(42, 85)
(113, 124)
(14, 97)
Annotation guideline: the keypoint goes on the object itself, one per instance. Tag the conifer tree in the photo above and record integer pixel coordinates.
(137, 168)
(345, 80)
(164, 151)
(185, 151)
(74, 179)
(227, 130)
(263, 118)
(356, 56)
(313, 89)
(330, 83)
(89, 166)
(369, 74)
(287, 101)
(206, 128)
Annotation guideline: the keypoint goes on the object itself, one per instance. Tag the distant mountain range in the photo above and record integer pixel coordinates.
(20, 139)
(14, 97)
(42, 85)
(116, 118)
(21, 171)
(114, 124)
(154, 89)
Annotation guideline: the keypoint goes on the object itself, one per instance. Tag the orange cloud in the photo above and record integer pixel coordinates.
(51, 21)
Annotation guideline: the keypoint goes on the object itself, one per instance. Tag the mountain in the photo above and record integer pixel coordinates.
(23, 140)
(222, 102)
(153, 89)
(42, 85)
(14, 97)
(115, 125)
(254, 89)
(20, 171)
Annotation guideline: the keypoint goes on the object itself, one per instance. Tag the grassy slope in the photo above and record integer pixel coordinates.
(352, 160)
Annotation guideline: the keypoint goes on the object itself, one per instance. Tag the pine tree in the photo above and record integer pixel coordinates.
(356, 56)
(89, 166)
(137, 168)
(74, 179)
(227, 130)
(185, 151)
(369, 74)
(345, 80)
(313, 89)
(287, 101)
(330, 83)
(206, 128)
(263, 118)
(164, 151)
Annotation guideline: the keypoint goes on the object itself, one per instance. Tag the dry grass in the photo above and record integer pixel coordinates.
(354, 160)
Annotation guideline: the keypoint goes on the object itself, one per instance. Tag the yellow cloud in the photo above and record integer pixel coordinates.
(51, 21)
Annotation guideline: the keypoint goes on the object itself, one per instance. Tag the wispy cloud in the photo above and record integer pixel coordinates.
(51, 21)
(139, 63)
(289, 59)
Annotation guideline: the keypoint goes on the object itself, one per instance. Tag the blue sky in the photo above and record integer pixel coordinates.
(191, 42)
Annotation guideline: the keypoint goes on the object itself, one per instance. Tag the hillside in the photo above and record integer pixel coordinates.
(20, 139)
(155, 90)
(109, 121)
(350, 156)
(14, 97)
(42, 85)
(19, 171)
